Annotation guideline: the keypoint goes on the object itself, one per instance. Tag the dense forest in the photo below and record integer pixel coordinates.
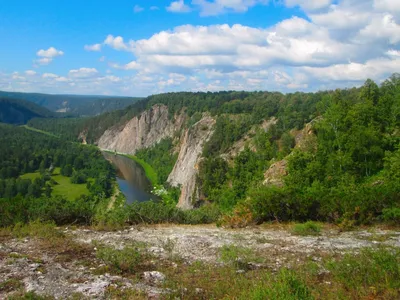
(346, 170)
(41, 176)
(16, 111)
(74, 105)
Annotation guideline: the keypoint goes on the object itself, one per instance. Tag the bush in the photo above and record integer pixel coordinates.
(391, 215)
(309, 228)
(121, 261)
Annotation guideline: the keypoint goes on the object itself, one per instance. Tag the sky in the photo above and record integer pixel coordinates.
(139, 48)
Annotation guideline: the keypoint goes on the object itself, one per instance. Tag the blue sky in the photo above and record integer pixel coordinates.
(139, 48)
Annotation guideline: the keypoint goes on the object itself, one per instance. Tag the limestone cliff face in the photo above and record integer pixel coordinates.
(185, 170)
(143, 131)
(154, 125)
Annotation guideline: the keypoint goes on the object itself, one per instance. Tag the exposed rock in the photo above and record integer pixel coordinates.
(143, 131)
(154, 277)
(186, 168)
(247, 140)
(275, 173)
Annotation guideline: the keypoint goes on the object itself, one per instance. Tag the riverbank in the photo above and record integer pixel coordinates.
(151, 174)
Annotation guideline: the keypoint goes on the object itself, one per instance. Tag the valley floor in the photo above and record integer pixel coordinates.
(190, 262)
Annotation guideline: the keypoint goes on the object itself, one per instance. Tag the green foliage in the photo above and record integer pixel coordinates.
(287, 285)
(155, 213)
(17, 111)
(236, 256)
(391, 215)
(308, 228)
(377, 268)
(125, 261)
(161, 158)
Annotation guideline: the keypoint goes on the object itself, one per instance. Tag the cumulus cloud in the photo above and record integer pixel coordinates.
(338, 43)
(45, 57)
(116, 43)
(178, 7)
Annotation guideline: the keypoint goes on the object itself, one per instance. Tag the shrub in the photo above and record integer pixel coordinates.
(308, 228)
(121, 261)
(391, 215)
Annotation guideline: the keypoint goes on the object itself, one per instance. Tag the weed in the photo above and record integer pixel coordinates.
(29, 296)
(286, 285)
(126, 260)
(125, 294)
(10, 285)
(377, 269)
(236, 256)
(309, 228)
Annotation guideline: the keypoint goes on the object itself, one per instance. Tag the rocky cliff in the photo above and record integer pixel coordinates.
(185, 170)
(143, 131)
(154, 125)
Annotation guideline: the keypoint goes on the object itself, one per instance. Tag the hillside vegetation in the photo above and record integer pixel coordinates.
(75, 105)
(344, 169)
(17, 111)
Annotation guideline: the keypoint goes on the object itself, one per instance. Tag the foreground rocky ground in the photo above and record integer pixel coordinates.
(68, 266)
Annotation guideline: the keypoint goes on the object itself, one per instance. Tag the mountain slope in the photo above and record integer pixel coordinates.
(16, 111)
(78, 105)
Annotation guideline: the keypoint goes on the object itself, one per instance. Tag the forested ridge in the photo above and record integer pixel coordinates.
(38, 172)
(74, 105)
(345, 171)
(17, 111)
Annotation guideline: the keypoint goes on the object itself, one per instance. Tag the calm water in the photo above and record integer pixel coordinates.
(131, 179)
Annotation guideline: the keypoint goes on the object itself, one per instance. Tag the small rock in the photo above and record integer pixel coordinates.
(240, 271)
(33, 267)
(154, 277)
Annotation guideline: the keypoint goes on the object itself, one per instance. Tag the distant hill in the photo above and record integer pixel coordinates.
(77, 105)
(17, 111)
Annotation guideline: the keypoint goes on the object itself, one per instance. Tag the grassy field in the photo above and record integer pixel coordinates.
(31, 176)
(64, 187)
(67, 189)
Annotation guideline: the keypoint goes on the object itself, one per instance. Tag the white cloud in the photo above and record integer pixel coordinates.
(337, 44)
(178, 7)
(137, 9)
(49, 75)
(116, 43)
(95, 47)
(47, 56)
(30, 72)
(392, 6)
(309, 5)
(83, 73)
(217, 7)
(49, 53)
(393, 53)
(44, 61)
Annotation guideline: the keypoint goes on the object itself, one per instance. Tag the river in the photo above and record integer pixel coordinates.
(131, 179)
